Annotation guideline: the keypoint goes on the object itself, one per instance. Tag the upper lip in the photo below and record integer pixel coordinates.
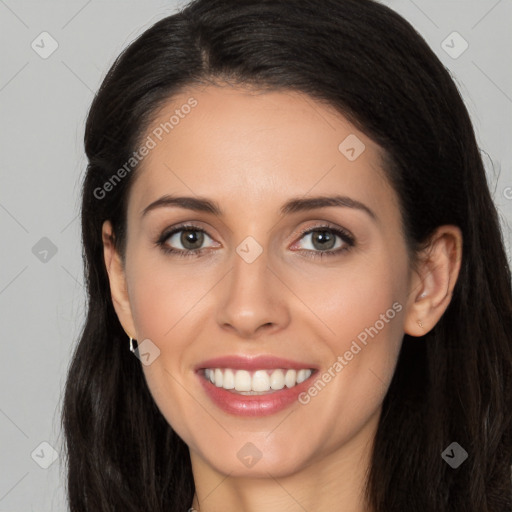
(252, 363)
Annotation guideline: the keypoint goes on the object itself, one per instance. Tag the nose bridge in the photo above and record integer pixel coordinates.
(250, 264)
(251, 298)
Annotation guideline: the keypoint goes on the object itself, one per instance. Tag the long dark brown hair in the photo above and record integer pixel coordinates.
(454, 386)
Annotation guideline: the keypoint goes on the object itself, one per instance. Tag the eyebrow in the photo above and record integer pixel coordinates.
(294, 205)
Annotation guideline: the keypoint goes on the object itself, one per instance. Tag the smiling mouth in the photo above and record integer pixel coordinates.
(257, 382)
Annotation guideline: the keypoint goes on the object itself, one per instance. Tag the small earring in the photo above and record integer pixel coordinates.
(420, 323)
(132, 348)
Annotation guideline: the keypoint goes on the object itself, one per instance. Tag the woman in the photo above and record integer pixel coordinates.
(286, 220)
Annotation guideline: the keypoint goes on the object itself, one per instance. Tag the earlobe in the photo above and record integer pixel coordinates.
(434, 280)
(117, 280)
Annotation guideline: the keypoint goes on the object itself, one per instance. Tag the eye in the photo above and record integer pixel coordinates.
(323, 241)
(191, 239)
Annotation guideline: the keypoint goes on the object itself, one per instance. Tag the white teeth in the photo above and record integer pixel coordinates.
(258, 382)
(302, 375)
(277, 379)
(290, 378)
(229, 379)
(243, 380)
(218, 377)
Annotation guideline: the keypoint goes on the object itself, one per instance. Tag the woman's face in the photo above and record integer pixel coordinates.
(332, 301)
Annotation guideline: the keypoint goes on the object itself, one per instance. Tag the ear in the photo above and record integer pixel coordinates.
(117, 279)
(433, 280)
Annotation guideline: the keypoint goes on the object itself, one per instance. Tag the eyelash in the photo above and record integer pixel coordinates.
(345, 236)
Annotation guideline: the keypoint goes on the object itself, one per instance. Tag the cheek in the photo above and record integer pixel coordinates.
(371, 305)
(165, 300)
(162, 294)
(358, 294)
(363, 309)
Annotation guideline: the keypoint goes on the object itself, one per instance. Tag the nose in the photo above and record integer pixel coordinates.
(252, 301)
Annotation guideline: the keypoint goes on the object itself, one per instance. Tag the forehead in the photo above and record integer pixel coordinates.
(247, 148)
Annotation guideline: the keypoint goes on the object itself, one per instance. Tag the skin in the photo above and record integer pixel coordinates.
(251, 152)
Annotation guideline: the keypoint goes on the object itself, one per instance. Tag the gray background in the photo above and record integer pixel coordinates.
(43, 104)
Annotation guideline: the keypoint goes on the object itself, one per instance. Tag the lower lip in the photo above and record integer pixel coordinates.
(253, 405)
